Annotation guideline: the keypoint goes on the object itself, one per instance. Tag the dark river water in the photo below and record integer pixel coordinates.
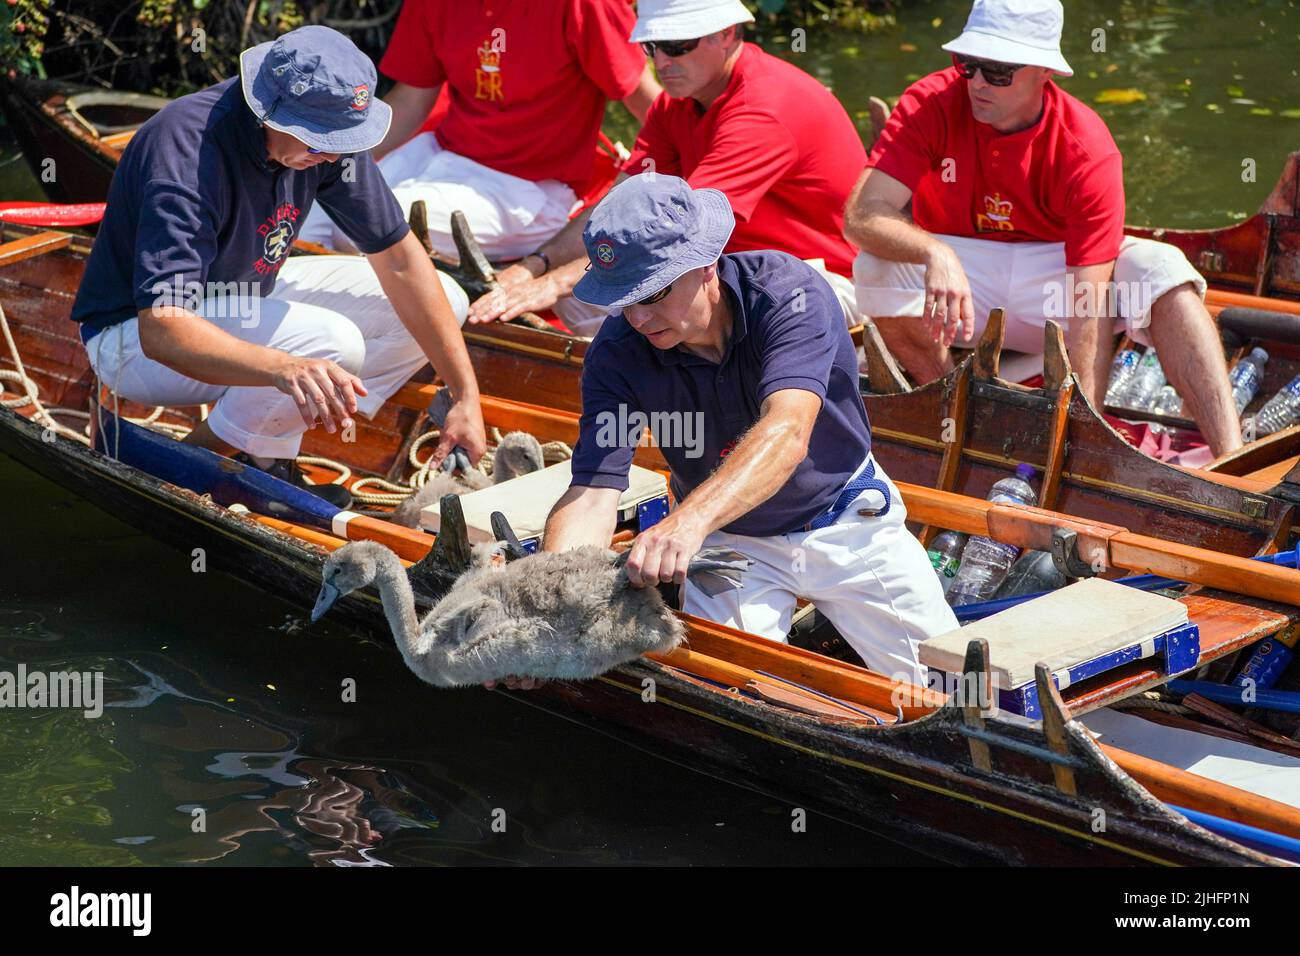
(220, 702)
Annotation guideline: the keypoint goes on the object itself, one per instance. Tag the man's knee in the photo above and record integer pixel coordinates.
(342, 342)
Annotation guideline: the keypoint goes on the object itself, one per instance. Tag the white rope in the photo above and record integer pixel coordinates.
(43, 415)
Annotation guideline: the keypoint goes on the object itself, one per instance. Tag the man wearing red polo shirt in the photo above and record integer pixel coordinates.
(1016, 198)
(768, 135)
(527, 86)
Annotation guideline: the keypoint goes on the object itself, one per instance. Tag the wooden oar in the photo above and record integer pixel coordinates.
(228, 483)
(1220, 299)
(52, 215)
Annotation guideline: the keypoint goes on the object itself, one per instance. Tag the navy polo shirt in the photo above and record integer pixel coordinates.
(788, 332)
(195, 200)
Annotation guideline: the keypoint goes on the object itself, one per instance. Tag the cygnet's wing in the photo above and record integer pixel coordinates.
(712, 570)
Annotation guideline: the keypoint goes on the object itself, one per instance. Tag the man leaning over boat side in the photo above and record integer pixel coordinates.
(179, 303)
(992, 187)
(753, 347)
(525, 85)
(734, 118)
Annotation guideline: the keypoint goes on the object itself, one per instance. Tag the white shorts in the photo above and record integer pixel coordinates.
(323, 306)
(509, 216)
(1028, 280)
(869, 575)
(585, 320)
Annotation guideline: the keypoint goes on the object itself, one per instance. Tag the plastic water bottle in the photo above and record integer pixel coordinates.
(1033, 572)
(1142, 390)
(1246, 376)
(985, 562)
(1281, 411)
(1122, 371)
(945, 556)
(1166, 402)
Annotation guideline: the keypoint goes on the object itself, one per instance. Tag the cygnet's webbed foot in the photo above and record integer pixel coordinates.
(502, 531)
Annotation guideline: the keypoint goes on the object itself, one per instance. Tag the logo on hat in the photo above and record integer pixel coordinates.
(360, 97)
(605, 252)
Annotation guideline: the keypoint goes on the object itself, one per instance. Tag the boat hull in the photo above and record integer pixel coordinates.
(914, 783)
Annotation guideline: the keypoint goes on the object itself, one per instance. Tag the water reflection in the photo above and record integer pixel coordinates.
(212, 703)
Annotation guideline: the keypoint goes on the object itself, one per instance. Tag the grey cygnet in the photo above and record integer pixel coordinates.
(572, 615)
(518, 453)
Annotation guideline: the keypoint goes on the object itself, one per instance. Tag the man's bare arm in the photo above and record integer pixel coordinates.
(876, 221)
(195, 347)
(647, 90)
(760, 465)
(411, 107)
(412, 285)
(583, 515)
(524, 288)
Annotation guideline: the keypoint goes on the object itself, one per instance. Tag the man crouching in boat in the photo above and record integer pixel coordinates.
(776, 461)
(992, 187)
(179, 304)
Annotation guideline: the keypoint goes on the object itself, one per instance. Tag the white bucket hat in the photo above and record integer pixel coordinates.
(1014, 31)
(685, 19)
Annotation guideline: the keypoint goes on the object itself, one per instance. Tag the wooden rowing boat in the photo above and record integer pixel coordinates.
(971, 428)
(820, 733)
(80, 130)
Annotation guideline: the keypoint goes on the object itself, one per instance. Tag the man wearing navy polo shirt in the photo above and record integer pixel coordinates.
(745, 365)
(179, 304)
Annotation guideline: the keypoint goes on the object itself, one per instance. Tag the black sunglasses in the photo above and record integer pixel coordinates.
(669, 47)
(657, 296)
(995, 74)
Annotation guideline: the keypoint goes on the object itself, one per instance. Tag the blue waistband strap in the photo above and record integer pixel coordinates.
(865, 480)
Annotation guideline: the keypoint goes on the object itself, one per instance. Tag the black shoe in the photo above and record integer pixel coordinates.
(286, 469)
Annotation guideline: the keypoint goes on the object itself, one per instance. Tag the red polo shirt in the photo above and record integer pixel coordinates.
(528, 81)
(777, 143)
(1060, 180)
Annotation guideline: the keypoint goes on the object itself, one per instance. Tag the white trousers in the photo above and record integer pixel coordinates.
(509, 216)
(869, 575)
(1028, 280)
(324, 307)
(585, 320)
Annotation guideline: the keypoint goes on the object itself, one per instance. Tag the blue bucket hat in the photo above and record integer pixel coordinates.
(314, 84)
(646, 232)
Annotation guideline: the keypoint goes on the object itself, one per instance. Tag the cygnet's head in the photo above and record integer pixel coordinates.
(518, 453)
(350, 567)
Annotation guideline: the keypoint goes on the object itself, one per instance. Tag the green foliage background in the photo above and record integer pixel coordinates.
(172, 47)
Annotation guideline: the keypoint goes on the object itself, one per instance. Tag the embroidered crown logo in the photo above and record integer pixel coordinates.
(488, 78)
(996, 216)
(489, 60)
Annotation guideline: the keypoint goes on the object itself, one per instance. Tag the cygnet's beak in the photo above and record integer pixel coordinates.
(324, 601)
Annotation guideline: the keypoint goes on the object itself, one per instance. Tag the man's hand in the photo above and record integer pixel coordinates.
(514, 682)
(463, 427)
(322, 389)
(663, 552)
(949, 307)
(522, 295)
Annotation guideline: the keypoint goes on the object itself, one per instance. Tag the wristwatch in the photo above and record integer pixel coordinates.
(546, 260)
